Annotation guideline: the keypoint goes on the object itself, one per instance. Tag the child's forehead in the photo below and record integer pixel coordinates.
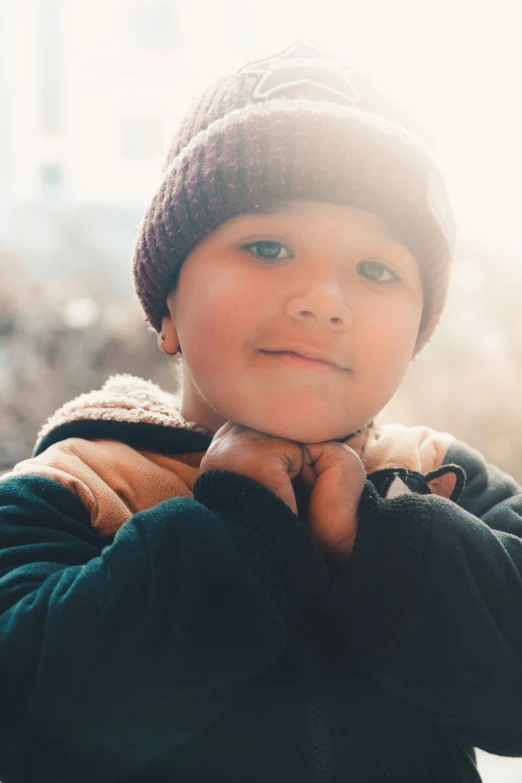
(341, 215)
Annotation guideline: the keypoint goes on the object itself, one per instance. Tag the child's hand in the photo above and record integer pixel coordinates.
(273, 462)
(336, 477)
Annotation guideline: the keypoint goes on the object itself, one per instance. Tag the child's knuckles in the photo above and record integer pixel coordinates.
(227, 427)
(351, 453)
(353, 459)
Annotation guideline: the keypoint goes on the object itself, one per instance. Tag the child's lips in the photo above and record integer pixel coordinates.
(296, 360)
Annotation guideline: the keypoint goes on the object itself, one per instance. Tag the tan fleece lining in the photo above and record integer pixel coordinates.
(113, 480)
(394, 445)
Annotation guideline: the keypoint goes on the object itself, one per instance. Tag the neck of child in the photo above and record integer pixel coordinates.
(195, 409)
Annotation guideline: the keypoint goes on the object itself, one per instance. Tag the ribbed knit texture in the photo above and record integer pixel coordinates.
(373, 589)
(272, 539)
(232, 154)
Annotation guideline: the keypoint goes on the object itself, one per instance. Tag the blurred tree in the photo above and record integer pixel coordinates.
(468, 381)
(60, 337)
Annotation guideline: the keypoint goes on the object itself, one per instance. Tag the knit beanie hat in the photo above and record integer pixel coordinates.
(301, 124)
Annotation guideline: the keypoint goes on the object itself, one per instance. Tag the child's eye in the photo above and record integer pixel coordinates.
(269, 250)
(377, 272)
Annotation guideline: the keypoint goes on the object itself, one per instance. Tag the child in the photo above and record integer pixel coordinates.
(256, 583)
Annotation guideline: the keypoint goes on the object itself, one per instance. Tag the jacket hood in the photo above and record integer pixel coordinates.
(124, 399)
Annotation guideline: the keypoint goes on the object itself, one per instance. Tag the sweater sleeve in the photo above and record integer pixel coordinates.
(431, 603)
(117, 654)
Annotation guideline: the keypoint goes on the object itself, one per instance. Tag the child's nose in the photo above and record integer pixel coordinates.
(325, 301)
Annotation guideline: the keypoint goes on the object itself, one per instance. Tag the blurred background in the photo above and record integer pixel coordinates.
(90, 92)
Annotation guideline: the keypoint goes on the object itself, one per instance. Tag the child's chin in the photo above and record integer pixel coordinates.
(300, 431)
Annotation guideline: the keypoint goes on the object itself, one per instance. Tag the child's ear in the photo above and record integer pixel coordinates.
(168, 340)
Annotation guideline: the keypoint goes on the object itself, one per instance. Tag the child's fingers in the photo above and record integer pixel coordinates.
(224, 430)
(271, 461)
(332, 513)
(308, 473)
(340, 461)
(327, 448)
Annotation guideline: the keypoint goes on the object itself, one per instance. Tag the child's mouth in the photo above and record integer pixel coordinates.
(296, 360)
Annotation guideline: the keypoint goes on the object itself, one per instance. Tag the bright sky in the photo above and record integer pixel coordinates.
(457, 64)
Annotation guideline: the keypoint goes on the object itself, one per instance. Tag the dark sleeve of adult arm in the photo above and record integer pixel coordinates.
(111, 656)
(431, 603)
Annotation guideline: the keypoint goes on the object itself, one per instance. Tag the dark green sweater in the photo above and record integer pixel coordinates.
(210, 642)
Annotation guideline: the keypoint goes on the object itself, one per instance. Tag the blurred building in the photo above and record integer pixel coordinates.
(90, 91)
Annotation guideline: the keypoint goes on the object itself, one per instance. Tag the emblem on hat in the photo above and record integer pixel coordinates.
(304, 63)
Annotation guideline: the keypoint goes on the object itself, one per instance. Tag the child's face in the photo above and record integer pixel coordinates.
(323, 278)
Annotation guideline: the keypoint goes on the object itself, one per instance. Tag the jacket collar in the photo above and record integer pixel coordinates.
(132, 408)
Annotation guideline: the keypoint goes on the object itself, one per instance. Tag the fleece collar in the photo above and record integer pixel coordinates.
(123, 399)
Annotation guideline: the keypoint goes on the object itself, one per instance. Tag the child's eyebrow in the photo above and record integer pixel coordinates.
(267, 209)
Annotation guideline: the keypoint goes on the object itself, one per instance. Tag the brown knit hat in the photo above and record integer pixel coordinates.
(298, 125)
